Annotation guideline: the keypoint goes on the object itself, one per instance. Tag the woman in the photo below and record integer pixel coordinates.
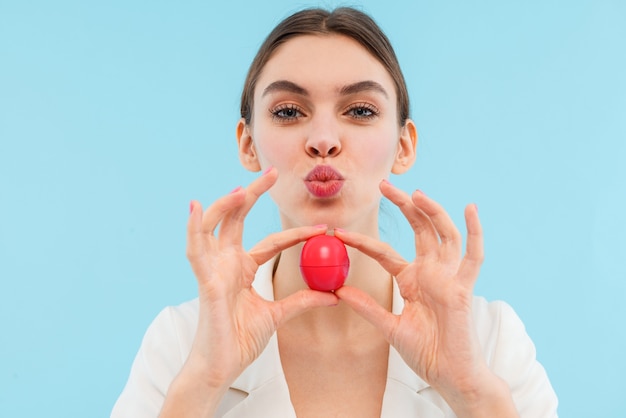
(325, 117)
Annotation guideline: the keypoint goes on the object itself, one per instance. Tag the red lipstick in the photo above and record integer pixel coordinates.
(323, 181)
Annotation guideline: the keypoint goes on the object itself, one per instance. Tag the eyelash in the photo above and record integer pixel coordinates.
(278, 113)
(361, 107)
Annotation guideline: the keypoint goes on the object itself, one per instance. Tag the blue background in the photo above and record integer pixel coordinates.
(113, 115)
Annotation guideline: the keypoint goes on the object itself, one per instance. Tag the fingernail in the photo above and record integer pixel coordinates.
(387, 181)
(235, 190)
(340, 230)
(191, 207)
(267, 170)
(476, 207)
(321, 226)
(418, 191)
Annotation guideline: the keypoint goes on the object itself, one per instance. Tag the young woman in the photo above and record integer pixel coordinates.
(325, 118)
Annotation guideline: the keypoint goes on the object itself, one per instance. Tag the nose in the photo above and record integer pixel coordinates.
(323, 139)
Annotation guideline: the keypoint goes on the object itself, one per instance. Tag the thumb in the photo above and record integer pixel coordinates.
(300, 302)
(369, 309)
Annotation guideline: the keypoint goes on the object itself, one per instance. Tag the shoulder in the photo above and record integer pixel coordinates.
(167, 341)
(501, 332)
(173, 327)
(164, 348)
(494, 321)
(510, 353)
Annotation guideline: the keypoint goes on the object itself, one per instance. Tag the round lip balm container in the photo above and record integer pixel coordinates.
(324, 263)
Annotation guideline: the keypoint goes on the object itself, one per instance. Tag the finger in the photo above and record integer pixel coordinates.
(300, 302)
(215, 213)
(231, 228)
(369, 309)
(448, 233)
(474, 253)
(195, 239)
(202, 224)
(426, 240)
(380, 251)
(271, 245)
(194, 229)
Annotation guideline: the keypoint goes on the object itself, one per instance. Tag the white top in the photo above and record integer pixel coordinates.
(261, 390)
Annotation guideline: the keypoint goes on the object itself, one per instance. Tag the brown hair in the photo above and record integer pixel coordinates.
(343, 21)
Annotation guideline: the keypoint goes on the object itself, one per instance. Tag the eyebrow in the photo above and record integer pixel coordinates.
(358, 87)
(284, 85)
(367, 85)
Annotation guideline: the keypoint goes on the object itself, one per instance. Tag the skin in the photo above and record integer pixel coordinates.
(313, 119)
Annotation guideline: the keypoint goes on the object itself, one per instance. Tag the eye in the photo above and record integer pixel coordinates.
(286, 113)
(362, 111)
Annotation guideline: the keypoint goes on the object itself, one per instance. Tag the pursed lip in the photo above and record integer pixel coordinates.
(324, 181)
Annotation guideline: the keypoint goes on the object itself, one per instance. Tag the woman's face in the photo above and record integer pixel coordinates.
(325, 116)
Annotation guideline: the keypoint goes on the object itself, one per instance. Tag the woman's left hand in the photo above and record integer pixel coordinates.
(434, 334)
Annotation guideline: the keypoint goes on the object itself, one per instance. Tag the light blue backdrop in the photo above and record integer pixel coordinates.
(113, 115)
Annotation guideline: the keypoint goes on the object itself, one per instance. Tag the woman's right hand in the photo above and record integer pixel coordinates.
(235, 323)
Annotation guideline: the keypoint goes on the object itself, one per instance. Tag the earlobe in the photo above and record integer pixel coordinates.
(407, 146)
(247, 152)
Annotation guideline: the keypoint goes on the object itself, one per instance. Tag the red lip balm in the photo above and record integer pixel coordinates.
(324, 263)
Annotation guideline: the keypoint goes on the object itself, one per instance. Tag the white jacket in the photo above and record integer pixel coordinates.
(261, 390)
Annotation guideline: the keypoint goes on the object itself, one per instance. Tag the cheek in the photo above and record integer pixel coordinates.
(275, 153)
(265, 145)
(377, 153)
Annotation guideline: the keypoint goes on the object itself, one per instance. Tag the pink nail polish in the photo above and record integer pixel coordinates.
(320, 226)
(235, 190)
(191, 207)
(267, 170)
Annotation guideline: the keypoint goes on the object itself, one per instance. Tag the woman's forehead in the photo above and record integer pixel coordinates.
(323, 60)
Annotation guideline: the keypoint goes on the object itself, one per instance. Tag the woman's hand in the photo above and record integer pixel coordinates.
(235, 323)
(435, 334)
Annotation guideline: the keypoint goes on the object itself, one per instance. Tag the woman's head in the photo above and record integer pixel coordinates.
(324, 110)
(342, 21)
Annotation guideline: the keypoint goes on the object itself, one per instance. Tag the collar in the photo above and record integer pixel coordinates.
(268, 394)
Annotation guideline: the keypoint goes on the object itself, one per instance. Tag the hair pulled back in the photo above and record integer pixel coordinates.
(344, 21)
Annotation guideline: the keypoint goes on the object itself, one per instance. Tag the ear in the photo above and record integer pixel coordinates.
(406, 148)
(247, 152)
